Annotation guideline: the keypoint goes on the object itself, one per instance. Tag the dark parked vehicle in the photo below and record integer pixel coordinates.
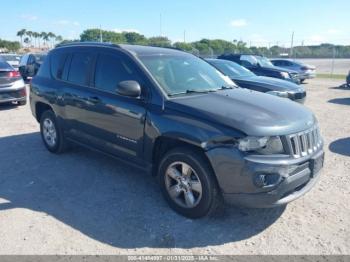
(173, 114)
(348, 80)
(305, 71)
(262, 66)
(247, 79)
(12, 87)
(30, 64)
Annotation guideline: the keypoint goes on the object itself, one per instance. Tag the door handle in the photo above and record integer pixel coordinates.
(94, 99)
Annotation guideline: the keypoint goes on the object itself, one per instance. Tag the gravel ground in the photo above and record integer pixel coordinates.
(82, 202)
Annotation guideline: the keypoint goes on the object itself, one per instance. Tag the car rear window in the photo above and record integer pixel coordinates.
(4, 65)
(79, 68)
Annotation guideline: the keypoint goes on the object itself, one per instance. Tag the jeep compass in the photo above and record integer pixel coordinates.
(177, 117)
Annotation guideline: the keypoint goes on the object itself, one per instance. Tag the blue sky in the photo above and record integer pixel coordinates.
(259, 22)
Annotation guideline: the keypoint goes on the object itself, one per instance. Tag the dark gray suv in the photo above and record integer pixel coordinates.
(177, 117)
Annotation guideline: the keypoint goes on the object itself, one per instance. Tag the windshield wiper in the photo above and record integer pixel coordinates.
(192, 91)
(226, 87)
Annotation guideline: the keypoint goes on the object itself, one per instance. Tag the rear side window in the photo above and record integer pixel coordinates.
(57, 61)
(112, 69)
(79, 68)
(44, 69)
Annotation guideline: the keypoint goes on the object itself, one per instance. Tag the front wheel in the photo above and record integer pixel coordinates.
(188, 183)
(51, 134)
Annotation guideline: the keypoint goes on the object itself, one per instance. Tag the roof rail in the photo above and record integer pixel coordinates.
(88, 43)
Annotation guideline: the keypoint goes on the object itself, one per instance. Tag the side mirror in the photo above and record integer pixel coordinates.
(129, 88)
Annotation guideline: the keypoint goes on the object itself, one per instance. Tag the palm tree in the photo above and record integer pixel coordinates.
(44, 36)
(36, 35)
(30, 35)
(21, 33)
(51, 36)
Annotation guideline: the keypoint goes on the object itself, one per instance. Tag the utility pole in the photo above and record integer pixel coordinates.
(291, 45)
(101, 39)
(184, 36)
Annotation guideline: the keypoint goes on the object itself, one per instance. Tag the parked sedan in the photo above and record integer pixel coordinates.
(30, 64)
(305, 71)
(12, 59)
(12, 87)
(262, 66)
(247, 79)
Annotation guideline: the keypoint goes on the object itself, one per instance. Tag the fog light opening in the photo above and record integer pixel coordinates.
(266, 180)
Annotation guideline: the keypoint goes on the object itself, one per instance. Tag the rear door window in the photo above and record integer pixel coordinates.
(80, 68)
(57, 62)
(112, 69)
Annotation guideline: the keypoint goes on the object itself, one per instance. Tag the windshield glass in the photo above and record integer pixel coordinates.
(231, 69)
(264, 62)
(182, 74)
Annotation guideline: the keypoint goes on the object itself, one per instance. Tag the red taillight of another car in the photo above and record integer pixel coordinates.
(13, 74)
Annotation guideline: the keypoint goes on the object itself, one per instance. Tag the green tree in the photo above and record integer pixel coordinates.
(183, 46)
(135, 38)
(160, 41)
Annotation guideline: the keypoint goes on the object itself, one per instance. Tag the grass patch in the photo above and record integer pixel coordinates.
(330, 76)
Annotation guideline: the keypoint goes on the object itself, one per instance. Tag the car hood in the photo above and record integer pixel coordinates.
(254, 113)
(274, 84)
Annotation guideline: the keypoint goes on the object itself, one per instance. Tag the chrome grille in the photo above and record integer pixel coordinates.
(304, 143)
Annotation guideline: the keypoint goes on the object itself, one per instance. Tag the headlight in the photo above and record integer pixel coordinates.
(285, 75)
(278, 93)
(261, 145)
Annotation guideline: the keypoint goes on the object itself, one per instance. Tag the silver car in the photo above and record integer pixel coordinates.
(12, 87)
(305, 71)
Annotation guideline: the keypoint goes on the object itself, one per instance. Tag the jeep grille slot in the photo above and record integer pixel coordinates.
(304, 143)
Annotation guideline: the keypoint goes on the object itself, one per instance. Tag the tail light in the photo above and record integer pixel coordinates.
(14, 74)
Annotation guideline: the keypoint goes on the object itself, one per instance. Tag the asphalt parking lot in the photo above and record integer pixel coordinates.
(82, 202)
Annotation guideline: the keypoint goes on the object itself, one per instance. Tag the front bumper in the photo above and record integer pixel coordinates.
(237, 173)
(10, 94)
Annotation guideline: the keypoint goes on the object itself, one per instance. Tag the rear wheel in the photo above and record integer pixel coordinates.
(51, 133)
(188, 184)
(302, 81)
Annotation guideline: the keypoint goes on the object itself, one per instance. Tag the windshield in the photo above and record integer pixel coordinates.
(182, 74)
(231, 69)
(264, 62)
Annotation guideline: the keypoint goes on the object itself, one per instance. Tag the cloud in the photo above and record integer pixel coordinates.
(29, 17)
(238, 23)
(64, 22)
(117, 30)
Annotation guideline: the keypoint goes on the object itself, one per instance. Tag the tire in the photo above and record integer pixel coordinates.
(198, 182)
(50, 127)
(22, 103)
(302, 81)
